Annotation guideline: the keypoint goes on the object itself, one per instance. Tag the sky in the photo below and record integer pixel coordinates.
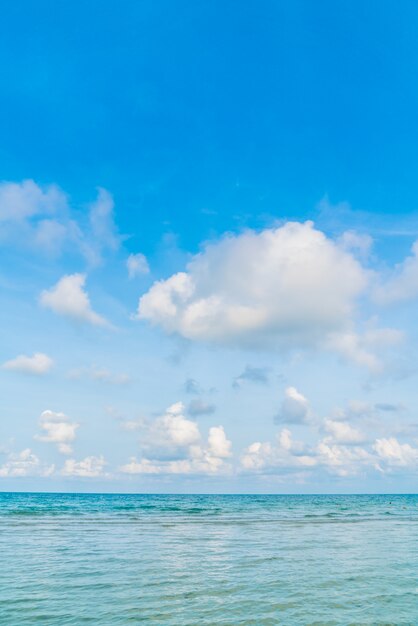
(209, 246)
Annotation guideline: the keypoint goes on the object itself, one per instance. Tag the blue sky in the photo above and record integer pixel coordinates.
(207, 222)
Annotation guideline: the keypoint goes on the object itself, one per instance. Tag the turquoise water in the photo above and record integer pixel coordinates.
(196, 560)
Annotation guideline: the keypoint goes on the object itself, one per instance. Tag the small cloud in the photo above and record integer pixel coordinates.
(57, 429)
(252, 374)
(294, 409)
(23, 464)
(342, 432)
(90, 467)
(199, 407)
(389, 408)
(102, 222)
(69, 298)
(137, 264)
(192, 386)
(37, 364)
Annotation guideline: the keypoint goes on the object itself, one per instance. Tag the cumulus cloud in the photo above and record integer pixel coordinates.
(198, 406)
(69, 298)
(137, 264)
(57, 429)
(294, 408)
(342, 432)
(285, 287)
(284, 454)
(24, 463)
(38, 364)
(180, 438)
(90, 467)
(394, 453)
(252, 374)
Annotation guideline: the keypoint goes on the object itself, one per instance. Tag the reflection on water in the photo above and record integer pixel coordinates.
(192, 560)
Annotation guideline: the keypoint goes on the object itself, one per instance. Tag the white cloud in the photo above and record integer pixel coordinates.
(294, 409)
(218, 444)
(90, 467)
(360, 243)
(284, 454)
(402, 284)
(57, 429)
(137, 264)
(342, 432)
(284, 287)
(177, 435)
(103, 228)
(37, 364)
(23, 464)
(69, 298)
(393, 453)
(19, 201)
(364, 349)
(171, 430)
(39, 217)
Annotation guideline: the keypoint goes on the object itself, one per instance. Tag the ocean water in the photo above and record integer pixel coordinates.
(197, 560)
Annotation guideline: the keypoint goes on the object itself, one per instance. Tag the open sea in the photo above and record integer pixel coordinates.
(203, 559)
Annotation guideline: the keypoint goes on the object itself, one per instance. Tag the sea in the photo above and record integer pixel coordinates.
(228, 560)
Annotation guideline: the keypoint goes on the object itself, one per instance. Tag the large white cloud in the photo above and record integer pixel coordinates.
(38, 363)
(69, 298)
(290, 286)
(57, 429)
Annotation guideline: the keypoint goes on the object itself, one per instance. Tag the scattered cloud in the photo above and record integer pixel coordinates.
(19, 201)
(294, 408)
(342, 432)
(402, 283)
(252, 374)
(137, 264)
(393, 453)
(25, 463)
(90, 467)
(37, 364)
(69, 298)
(102, 221)
(40, 218)
(180, 438)
(57, 429)
(192, 386)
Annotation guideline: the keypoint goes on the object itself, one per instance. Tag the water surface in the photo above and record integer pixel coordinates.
(206, 560)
